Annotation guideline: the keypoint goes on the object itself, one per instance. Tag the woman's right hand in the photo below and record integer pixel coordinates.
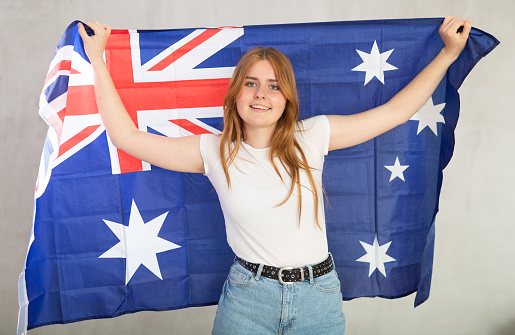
(95, 45)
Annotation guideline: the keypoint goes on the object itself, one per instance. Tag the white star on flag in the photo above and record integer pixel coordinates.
(374, 64)
(397, 169)
(139, 243)
(429, 116)
(376, 256)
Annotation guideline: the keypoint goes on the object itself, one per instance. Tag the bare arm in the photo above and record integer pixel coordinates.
(349, 130)
(178, 154)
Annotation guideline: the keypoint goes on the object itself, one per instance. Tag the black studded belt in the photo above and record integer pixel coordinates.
(288, 274)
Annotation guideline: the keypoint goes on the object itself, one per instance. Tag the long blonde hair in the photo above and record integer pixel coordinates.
(284, 146)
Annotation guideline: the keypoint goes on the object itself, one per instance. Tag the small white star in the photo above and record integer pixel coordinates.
(374, 64)
(139, 243)
(397, 169)
(429, 116)
(376, 256)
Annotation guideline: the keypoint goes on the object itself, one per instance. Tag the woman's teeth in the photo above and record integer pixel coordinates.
(260, 107)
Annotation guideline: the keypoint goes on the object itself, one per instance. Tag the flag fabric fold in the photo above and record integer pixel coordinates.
(113, 235)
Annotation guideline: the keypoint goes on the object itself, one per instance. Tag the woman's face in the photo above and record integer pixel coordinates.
(261, 102)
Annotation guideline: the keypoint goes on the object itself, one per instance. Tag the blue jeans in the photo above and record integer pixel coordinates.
(252, 304)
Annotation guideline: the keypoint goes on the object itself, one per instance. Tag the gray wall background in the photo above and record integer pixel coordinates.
(474, 274)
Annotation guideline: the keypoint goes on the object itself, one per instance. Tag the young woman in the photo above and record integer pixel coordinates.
(267, 170)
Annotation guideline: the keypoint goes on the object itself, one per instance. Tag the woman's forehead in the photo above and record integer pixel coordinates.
(263, 70)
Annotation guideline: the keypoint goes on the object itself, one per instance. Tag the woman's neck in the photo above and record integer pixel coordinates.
(259, 138)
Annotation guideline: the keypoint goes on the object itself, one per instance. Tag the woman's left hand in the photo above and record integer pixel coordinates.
(94, 45)
(454, 41)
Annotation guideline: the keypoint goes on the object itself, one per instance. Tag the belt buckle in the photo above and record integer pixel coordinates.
(279, 277)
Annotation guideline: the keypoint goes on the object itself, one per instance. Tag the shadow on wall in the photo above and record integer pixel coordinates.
(506, 329)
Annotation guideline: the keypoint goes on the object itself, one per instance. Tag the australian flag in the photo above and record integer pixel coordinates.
(114, 235)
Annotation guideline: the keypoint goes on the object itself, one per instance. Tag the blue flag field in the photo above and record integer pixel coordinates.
(114, 235)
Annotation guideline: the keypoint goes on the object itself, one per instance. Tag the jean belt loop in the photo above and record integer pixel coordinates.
(311, 279)
(259, 270)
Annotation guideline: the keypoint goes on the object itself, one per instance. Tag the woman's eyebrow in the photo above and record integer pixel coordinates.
(254, 78)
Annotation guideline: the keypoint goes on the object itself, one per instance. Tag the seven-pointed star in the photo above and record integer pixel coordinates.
(139, 243)
(429, 116)
(397, 169)
(376, 256)
(374, 63)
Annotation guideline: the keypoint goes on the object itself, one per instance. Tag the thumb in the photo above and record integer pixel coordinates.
(466, 28)
(82, 30)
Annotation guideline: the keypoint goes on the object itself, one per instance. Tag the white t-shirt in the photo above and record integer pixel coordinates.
(257, 229)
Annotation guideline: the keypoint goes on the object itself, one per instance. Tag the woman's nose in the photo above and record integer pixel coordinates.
(260, 92)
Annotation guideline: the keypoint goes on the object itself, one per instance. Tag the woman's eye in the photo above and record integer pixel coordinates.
(250, 84)
(274, 87)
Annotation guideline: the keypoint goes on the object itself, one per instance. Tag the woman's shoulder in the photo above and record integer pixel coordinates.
(210, 151)
(312, 122)
(210, 139)
(209, 143)
(315, 132)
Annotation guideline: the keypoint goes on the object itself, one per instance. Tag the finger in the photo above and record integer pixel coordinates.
(447, 20)
(82, 30)
(444, 24)
(454, 25)
(107, 29)
(101, 26)
(91, 24)
(451, 25)
(96, 27)
(467, 26)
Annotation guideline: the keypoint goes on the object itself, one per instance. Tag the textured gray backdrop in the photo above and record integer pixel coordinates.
(474, 274)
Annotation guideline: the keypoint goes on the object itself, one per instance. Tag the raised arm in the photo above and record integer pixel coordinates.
(349, 130)
(178, 154)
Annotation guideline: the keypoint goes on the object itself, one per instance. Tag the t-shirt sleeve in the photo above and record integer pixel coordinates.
(316, 131)
(209, 150)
